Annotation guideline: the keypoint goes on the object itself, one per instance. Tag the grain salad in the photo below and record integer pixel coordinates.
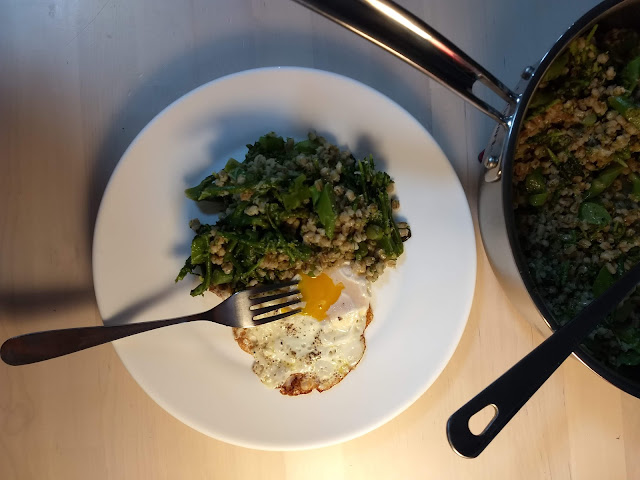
(576, 185)
(294, 207)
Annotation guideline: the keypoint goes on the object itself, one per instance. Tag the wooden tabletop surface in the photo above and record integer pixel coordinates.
(79, 80)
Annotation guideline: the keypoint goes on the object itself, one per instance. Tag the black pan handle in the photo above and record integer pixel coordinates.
(398, 31)
(514, 388)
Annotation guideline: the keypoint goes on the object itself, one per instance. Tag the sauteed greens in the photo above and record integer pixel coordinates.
(576, 185)
(293, 207)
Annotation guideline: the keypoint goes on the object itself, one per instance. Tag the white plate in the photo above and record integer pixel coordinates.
(196, 371)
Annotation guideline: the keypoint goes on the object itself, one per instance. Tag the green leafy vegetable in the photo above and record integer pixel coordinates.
(184, 271)
(621, 156)
(362, 251)
(576, 223)
(298, 193)
(618, 230)
(558, 140)
(557, 68)
(218, 277)
(374, 185)
(627, 108)
(570, 169)
(542, 101)
(200, 257)
(535, 183)
(603, 281)
(275, 204)
(206, 281)
(594, 214)
(627, 333)
(271, 143)
(553, 156)
(374, 232)
(536, 186)
(541, 98)
(195, 192)
(200, 249)
(592, 32)
(603, 181)
(631, 74)
(323, 205)
(630, 357)
(231, 165)
(307, 146)
(538, 199)
(622, 48)
(620, 104)
(590, 119)
(238, 218)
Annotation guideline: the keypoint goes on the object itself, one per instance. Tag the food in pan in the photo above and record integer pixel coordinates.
(576, 185)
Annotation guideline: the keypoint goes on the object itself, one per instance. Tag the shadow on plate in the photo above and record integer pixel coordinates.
(125, 315)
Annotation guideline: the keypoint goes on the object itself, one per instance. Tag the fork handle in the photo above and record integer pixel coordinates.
(39, 346)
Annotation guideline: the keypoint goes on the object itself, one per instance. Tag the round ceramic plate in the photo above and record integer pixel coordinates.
(196, 371)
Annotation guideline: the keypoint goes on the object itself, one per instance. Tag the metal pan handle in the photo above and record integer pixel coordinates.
(395, 29)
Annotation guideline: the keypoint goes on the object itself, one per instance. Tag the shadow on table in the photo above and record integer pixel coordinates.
(20, 304)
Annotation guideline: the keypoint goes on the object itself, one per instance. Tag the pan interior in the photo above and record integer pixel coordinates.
(609, 14)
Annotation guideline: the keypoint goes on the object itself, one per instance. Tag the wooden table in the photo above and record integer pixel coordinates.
(80, 79)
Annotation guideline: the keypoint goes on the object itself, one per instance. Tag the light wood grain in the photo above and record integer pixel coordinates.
(79, 80)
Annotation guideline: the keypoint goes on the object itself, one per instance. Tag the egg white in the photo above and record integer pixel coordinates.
(322, 352)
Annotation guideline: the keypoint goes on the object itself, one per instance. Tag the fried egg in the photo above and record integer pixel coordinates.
(318, 347)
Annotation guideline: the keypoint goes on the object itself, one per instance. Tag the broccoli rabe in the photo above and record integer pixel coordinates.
(281, 215)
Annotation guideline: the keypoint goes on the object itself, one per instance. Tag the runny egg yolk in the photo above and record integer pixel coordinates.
(319, 293)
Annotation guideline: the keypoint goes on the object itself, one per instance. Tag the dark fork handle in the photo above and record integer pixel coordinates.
(39, 346)
(514, 388)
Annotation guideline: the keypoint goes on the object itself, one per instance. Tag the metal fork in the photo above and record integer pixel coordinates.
(248, 308)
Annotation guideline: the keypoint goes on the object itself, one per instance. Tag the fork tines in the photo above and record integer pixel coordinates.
(254, 292)
(273, 302)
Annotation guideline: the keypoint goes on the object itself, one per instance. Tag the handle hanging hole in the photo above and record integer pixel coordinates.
(482, 420)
